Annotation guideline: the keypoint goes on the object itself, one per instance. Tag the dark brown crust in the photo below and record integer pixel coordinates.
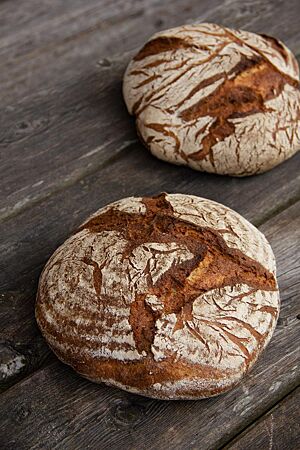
(222, 266)
(143, 374)
(97, 276)
(213, 266)
(255, 82)
(246, 89)
(280, 48)
(160, 45)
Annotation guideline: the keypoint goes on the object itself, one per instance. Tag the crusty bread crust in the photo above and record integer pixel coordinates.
(171, 297)
(216, 99)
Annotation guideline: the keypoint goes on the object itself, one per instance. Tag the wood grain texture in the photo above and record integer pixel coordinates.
(81, 32)
(32, 239)
(98, 414)
(51, 130)
(278, 429)
(55, 22)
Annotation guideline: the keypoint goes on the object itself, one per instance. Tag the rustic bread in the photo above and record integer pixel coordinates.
(170, 297)
(216, 99)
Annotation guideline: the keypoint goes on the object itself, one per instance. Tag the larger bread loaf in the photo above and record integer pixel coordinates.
(171, 297)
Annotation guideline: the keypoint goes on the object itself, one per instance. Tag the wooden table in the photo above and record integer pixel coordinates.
(69, 147)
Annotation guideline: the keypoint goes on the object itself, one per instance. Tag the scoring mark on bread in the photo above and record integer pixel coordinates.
(180, 262)
(152, 282)
(197, 90)
(161, 45)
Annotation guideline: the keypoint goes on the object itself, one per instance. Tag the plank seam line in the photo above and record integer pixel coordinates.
(277, 210)
(127, 147)
(16, 209)
(257, 419)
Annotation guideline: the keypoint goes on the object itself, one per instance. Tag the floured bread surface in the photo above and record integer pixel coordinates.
(216, 99)
(173, 296)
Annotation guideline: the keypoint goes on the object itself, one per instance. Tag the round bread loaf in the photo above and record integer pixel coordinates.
(216, 99)
(172, 297)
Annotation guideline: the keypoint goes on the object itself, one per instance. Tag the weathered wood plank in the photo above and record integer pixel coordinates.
(57, 137)
(34, 24)
(26, 242)
(86, 32)
(28, 29)
(101, 415)
(278, 429)
(33, 27)
(76, 116)
(18, 17)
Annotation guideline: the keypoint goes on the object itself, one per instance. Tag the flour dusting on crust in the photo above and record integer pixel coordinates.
(178, 290)
(216, 99)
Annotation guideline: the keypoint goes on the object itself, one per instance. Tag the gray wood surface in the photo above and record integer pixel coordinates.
(67, 147)
(279, 429)
(42, 227)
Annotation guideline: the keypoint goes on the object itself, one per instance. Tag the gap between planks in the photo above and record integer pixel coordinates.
(262, 418)
(75, 177)
(126, 148)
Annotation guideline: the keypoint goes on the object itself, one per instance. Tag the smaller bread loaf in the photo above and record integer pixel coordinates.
(172, 297)
(216, 99)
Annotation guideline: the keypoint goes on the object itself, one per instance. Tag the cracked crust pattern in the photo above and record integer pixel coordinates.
(171, 297)
(216, 99)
